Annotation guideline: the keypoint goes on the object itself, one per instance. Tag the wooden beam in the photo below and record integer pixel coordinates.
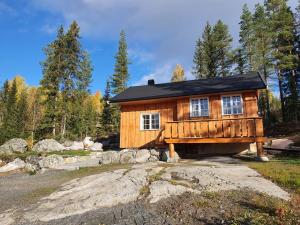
(214, 140)
(171, 150)
(260, 149)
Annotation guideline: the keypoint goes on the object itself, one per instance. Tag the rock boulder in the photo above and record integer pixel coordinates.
(48, 145)
(14, 145)
(96, 147)
(166, 157)
(127, 156)
(76, 145)
(142, 156)
(14, 165)
(109, 157)
(51, 161)
(87, 142)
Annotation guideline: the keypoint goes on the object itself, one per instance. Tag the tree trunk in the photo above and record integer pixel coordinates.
(267, 95)
(281, 96)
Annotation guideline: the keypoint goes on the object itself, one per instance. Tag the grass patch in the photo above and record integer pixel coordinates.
(145, 190)
(71, 153)
(282, 169)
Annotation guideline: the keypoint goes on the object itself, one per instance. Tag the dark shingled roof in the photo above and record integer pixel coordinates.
(249, 81)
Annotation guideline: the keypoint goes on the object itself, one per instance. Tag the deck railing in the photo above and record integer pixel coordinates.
(215, 128)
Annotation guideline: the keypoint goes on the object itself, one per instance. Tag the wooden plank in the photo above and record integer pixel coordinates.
(237, 127)
(180, 130)
(171, 150)
(251, 128)
(215, 140)
(226, 128)
(244, 128)
(167, 132)
(174, 132)
(197, 129)
(259, 128)
(192, 129)
(212, 129)
(219, 126)
(204, 130)
(232, 128)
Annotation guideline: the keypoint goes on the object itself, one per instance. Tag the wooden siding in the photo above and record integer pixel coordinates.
(179, 110)
(130, 133)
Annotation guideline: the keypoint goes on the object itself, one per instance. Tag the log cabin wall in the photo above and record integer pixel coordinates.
(131, 136)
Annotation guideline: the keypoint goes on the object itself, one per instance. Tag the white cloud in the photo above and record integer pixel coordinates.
(169, 28)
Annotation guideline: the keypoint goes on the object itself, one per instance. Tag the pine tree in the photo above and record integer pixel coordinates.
(107, 113)
(286, 59)
(178, 74)
(240, 61)
(246, 38)
(121, 74)
(222, 45)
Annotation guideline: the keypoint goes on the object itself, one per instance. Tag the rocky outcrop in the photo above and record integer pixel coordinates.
(129, 156)
(96, 147)
(48, 145)
(76, 145)
(14, 165)
(14, 145)
(51, 161)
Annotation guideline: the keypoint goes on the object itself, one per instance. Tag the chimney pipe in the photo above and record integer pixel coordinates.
(151, 82)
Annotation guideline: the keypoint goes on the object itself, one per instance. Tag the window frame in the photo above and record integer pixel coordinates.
(191, 107)
(231, 104)
(150, 121)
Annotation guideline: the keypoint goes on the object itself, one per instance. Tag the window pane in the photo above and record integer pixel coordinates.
(204, 107)
(236, 104)
(155, 121)
(226, 105)
(146, 122)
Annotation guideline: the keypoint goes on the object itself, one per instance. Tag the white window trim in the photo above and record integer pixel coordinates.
(191, 113)
(150, 122)
(231, 95)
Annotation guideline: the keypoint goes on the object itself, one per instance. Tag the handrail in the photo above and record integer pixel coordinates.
(206, 120)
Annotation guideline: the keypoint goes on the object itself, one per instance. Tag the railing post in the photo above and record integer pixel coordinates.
(260, 152)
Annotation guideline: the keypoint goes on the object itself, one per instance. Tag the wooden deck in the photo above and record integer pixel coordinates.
(231, 130)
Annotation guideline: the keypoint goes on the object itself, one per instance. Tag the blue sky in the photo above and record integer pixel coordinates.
(160, 33)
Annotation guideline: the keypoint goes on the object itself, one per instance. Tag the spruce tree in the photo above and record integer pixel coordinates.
(178, 74)
(121, 74)
(212, 57)
(53, 68)
(10, 121)
(262, 49)
(222, 46)
(22, 115)
(246, 39)
(107, 113)
(240, 61)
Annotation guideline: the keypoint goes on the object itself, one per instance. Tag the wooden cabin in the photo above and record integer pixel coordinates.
(214, 110)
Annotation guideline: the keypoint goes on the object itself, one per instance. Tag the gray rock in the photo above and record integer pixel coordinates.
(87, 142)
(48, 145)
(127, 156)
(142, 156)
(76, 145)
(109, 157)
(14, 165)
(166, 156)
(155, 155)
(34, 160)
(51, 161)
(14, 145)
(96, 147)
(31, 168)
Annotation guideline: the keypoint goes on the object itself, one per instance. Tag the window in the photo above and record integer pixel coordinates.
(150, 121)
(199, 107)
(232, 105)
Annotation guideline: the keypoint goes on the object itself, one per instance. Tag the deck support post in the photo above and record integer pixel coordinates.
(171, 151)
(260, 152)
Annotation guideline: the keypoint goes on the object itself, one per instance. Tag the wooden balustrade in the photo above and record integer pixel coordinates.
(215, 128)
